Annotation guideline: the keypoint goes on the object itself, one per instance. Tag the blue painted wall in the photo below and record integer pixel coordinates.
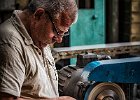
(88, 30)
(90, 27)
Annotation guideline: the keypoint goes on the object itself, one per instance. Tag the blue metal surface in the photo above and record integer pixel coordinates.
(126, 70)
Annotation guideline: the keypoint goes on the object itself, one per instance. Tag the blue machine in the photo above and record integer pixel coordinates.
(114, 79)
(125, 70)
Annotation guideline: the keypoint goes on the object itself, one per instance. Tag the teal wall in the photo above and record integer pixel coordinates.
(90, 27)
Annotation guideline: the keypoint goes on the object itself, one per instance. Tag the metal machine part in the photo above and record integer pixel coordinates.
(68, 78)
(101, 80)
(70, 84)
(101, 49)
(83, 59)
(88, 79)
(105, 91)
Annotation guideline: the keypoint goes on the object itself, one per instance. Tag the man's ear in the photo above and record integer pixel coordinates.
(38, 13)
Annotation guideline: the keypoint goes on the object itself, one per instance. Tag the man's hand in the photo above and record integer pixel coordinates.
(65, 98)
(59, 98)
(5, 96)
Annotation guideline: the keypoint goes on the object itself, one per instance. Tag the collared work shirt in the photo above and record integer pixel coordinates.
(24, 70)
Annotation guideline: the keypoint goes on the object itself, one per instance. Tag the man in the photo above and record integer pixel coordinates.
(27, 69)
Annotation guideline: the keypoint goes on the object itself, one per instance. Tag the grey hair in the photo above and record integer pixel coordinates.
(55, 7)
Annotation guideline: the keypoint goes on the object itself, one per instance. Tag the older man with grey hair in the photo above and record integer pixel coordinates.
(27, 68)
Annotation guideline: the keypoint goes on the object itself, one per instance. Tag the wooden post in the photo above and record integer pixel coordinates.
(135, 22)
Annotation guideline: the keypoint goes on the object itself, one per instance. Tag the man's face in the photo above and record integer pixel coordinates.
(48, 31)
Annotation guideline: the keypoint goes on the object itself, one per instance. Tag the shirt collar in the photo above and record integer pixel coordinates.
(20, 27)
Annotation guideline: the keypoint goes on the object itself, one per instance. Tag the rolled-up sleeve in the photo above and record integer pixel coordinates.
(12, 69)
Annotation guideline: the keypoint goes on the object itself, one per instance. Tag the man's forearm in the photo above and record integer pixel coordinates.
(59, 98)
(5, 96)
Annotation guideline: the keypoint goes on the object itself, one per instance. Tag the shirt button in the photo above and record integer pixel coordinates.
(39, 53)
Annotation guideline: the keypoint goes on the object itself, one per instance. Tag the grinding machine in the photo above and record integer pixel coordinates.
(101, 72)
